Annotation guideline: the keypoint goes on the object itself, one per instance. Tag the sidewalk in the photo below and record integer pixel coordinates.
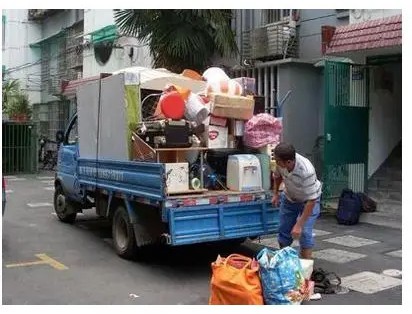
(359, 254)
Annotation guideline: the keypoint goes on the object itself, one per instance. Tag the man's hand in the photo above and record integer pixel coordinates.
(296, 231)
(275, 199)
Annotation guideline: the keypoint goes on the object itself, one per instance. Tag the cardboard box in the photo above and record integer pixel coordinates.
(177, 177)
(216, 136)
(236, 107)
(218, 121)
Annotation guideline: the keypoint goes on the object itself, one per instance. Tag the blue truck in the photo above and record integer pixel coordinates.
(133, 196)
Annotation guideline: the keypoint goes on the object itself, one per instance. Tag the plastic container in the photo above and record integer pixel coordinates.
(172, 105)
(195, 109)
(307, 266)
(215, 74)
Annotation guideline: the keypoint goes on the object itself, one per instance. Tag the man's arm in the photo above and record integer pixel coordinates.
(307, 211)
(278, 182)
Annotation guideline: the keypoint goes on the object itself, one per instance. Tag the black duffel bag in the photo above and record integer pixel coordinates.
(349, 208)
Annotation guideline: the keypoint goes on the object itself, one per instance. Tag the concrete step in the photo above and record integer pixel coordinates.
(397, 196)
(384, 183)
(393, 173)
(394, 221)
(381, 195)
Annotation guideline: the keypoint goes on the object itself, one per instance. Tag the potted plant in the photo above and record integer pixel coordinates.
(16, 103)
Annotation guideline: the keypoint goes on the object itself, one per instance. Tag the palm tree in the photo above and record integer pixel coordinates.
(180, 39)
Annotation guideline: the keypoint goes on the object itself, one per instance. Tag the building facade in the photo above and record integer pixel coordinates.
(47, 49)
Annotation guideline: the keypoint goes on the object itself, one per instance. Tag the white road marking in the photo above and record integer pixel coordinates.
(45, 178)
(273, 243)
(9, 191)
(319, 233)
(397, 253)
(34, 205)
(351, 241)
(49, 188)
(48, 182)
(392, 273)
(337, 256)
(10, 177)
(16, 179)
(78, 214)
(369, 282)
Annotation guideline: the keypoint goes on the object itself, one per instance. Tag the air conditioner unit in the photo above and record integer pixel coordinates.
(278, 37)
(282, 40)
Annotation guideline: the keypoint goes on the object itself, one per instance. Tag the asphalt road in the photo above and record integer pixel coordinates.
(78, 265)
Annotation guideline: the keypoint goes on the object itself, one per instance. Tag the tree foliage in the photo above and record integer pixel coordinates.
(180, 39)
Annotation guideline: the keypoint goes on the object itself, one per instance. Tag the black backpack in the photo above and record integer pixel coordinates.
(349, 208)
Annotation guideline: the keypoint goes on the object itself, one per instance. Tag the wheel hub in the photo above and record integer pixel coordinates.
(121, 234)
(61, 203)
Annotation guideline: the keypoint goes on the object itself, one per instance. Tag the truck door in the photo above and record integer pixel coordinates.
(67, 163)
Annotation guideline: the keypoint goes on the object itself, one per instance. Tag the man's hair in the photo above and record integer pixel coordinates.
(285, 152)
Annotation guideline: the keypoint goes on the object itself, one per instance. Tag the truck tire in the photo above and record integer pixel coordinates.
(64, 208)
(123, 234)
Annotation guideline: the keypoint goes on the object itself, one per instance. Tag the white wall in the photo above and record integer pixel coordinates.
(54, 24)
(302, 110)
(119, 59)
(363, 15)
(385, 120)
(18, 56)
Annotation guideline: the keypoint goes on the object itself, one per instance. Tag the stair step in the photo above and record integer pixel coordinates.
(387, 221)
(395, 196)
(395, 185)
(384, 208)
(381, 196)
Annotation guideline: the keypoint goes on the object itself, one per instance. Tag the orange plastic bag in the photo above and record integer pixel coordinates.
(235, 280)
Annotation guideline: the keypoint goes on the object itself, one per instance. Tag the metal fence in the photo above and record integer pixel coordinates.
(19, 150)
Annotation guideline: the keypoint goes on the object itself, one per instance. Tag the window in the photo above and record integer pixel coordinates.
(73, 135)
(272, 16)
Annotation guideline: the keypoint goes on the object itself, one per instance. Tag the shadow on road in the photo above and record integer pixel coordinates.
(180, 257)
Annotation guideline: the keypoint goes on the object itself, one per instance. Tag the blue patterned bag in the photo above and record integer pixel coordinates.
(281, 275)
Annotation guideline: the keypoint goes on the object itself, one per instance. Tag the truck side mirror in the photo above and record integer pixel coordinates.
(59, 136)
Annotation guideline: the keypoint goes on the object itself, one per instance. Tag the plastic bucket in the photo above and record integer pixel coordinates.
(172, 105)
(195, 109)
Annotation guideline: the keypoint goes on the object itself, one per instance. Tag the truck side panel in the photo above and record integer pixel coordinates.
(140, 179)
(222, 221)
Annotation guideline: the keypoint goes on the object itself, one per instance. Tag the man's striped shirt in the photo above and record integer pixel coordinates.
(301, 184)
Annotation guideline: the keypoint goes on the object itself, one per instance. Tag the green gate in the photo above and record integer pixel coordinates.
(346, 128)
(19, 148)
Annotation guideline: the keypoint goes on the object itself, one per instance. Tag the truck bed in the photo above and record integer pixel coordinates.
(191, 218)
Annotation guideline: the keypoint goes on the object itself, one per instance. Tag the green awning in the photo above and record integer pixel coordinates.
(39, 43)
(105, 34)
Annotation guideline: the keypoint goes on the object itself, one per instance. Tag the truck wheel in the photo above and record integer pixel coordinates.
(123, 234)
(64, 209)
